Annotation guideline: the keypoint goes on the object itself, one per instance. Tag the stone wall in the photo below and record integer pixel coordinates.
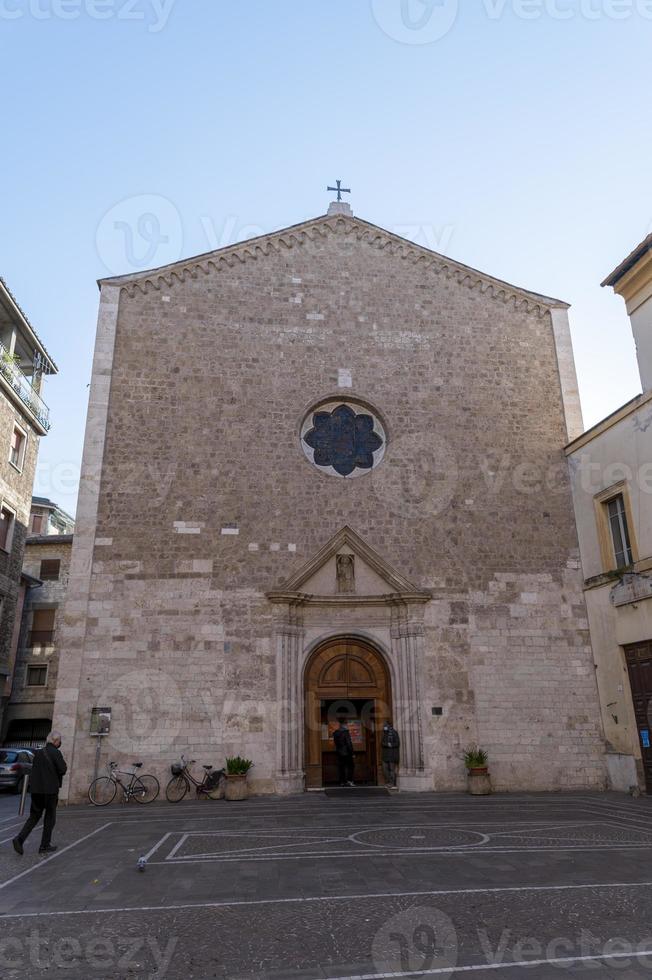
(38, 702)
(197, 500)
(16, 492)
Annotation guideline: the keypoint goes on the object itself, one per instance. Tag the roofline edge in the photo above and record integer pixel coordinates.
(131, 278)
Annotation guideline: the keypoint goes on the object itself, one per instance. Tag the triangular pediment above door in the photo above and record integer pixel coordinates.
(331, 575)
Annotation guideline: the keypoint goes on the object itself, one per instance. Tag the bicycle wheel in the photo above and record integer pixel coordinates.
(102, 791)
(176, 789)
(217, 792)
(145, 789)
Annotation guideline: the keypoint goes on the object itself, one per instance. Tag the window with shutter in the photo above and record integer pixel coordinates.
(7, 518)
(17, 450)
(50, 569)
(619, 531)
(42, 633)
(37, 676)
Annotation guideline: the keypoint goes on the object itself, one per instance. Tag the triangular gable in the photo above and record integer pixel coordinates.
(364, 231)
(317, 578)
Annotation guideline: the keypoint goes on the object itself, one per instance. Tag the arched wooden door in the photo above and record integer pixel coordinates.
(345, 677)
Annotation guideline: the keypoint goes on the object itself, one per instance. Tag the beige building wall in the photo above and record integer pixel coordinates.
(618, 451)
(615, 457)
(633, 281)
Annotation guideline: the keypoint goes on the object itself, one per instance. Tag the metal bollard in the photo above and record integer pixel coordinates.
(23, 795)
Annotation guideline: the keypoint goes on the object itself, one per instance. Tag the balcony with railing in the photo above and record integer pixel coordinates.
(12, 374)
(40, 638)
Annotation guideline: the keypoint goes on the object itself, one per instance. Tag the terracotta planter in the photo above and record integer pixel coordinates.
(236, 787)
(479, 782)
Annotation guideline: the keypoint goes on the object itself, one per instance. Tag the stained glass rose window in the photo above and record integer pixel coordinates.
(343, 439)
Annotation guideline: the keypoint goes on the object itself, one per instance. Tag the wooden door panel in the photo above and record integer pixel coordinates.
(334, 673)
(360, 673)
(639, 663)
(347, 670)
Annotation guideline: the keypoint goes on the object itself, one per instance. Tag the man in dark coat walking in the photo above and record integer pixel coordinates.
(45, 781)
(344, 749)
(390, 747)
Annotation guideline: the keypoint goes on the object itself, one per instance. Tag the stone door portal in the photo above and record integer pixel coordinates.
(639, 663)
(345, 677)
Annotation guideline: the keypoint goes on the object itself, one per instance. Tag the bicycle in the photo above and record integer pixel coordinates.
(211, 785)
(142, 789)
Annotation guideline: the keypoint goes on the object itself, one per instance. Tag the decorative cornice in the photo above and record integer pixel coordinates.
(363, 232)
(604, 425)
(642, 251)
(306, 599)
(631, 588)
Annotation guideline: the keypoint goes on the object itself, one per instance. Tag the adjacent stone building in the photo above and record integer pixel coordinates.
(324, 473)
(611, 472)
(46, 568)
(24, 418)
(47, 518)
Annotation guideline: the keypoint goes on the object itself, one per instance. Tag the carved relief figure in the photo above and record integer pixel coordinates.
(346, 573)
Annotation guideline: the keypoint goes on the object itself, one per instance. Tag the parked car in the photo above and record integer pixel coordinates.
(14, 764)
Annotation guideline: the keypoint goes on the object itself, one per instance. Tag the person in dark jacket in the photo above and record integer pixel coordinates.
(45, 781)
(390, 748)
(344, 749)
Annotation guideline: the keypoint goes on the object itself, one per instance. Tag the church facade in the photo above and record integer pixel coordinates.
(324, 474)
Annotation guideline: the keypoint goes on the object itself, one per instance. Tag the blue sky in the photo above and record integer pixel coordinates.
(513, 135)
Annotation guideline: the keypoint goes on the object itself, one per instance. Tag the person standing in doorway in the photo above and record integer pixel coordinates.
(344, 749)
(45, 781)
(390, 746)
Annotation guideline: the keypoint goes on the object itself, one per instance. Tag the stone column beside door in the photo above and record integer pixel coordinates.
(289, 635)
(407, 634)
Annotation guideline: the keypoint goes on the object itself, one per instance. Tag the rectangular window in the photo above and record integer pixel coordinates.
(37, 523)
(17, 450)
(7, 519)
(42, 632)
(37, 675)
(50, 569)
(619, 531)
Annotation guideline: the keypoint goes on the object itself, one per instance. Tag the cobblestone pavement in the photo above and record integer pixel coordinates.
(539, 886)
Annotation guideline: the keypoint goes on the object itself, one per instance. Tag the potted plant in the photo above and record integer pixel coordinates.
(475, 760)
(236, 777)
(9, 362)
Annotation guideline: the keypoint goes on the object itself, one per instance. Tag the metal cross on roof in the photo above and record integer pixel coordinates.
(340, 190)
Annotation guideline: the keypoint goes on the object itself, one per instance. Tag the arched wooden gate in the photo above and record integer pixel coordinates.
(345, 677)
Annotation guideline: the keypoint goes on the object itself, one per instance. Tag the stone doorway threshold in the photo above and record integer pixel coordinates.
(361, 792)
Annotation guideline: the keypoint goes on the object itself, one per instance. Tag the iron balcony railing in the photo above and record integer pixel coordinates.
(40, 638)
(23, 387)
